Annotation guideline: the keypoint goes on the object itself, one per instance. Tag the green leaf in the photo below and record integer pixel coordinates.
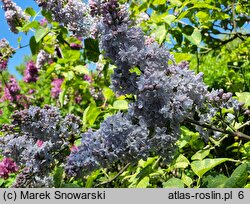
(70, 185)
(176, 2)
(158, 2)
(90, 114)
(247, 186)
(160, 33)
(81, 69)
(19, 40)
(238, 178)
(69, 75)
(62, 95)
(203, 166)
(186, 180)
(34, 46)
(108, 93)
(200, 154)
(30, 11)
(91, 49)
(58, 177)
(182, 56)
(202, 15)
(169, 19)
(195, 38)
(244, 97)
(26, 27)
(91, 178)
(173, 183)
(181, 162)
(120, 105)
(40, 34)
(85, 113)
(215, 182)
(144, 183)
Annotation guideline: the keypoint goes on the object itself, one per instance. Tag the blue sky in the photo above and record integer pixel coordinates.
(12, 38)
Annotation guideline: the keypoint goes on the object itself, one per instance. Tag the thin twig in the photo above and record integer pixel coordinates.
(236, 133)
(116, 176)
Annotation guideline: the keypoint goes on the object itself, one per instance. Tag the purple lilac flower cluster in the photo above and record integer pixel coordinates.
(30, 73)
(14, 15)
(6, 51)
(7, 166)
(74, 14)
(37, 139)
(56, 87)
(167, 94)
(42, 58)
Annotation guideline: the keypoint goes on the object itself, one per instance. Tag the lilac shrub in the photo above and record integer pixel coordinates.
(167, 95)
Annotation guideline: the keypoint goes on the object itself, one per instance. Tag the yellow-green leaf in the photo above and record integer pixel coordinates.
(200, 154)
(203, 166)
(173, 183)
(144, 183)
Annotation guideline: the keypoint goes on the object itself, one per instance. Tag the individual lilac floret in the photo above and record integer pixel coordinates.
(7, 166)
(30, 73)
(56, 87)
(14, 15)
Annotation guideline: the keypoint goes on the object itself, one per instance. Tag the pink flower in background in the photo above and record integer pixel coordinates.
(78, 99)
(30, 73)
(11, 90)
(75, 46)
(43, 22)
(3, 65)
(31, 91)
(56, 87)
(87, 78)
(39, 143)
(74, 148)
(1, 112)
(7, 166)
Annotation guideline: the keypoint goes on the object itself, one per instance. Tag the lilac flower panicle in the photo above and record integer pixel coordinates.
(7, 166)
(35, 139)
(6, 51)
(42, 58)
(30, 73)
(56, 87)
(74, 14)
(14, 15)
(12, 90)
(167, 95)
